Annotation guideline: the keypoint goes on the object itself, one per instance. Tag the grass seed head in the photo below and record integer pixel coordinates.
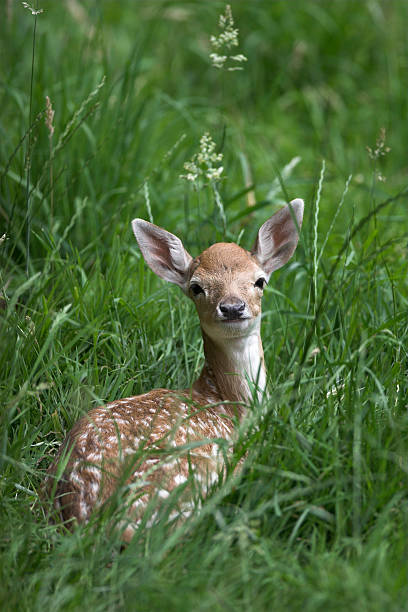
(380, 150)
(224, 42)
(49, 116)
(33, 11)
(204, 164)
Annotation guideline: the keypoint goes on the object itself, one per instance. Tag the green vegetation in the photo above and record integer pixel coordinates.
(318, 519)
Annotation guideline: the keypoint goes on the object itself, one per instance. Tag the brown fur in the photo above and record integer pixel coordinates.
(104, 445)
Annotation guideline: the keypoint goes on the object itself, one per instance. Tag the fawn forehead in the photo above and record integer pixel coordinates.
(225, 257)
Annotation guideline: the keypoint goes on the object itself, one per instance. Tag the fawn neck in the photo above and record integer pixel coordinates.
(233, 367)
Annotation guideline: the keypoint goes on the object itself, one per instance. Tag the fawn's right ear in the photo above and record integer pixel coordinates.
(163, 252)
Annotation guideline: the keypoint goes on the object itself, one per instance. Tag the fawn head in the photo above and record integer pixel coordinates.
(225, 282)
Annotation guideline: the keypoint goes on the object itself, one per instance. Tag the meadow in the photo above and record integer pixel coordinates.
(318, 518)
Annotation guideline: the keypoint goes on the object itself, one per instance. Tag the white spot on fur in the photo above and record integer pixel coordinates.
(83, 509)
(94, 458)
(151, 520)
(151, 461)
(139, 503)
(94, 489)
(76, 478)
(120, 422)
(179, 479)
(129, 450)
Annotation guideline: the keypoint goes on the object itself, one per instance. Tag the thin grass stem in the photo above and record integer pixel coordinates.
(336, 214)
(315, 232)
(29, 151)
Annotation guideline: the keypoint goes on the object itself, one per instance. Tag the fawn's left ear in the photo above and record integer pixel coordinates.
(163, 252)
(278, 237)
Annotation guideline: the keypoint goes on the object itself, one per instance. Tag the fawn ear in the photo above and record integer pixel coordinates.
(278, 237)
(163, 252)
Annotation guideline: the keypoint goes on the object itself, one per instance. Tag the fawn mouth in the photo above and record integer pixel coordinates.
(221, 328)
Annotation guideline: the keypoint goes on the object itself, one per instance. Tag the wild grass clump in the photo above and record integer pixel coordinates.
(317, 519)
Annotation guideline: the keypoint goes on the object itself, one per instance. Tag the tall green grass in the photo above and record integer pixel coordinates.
(317, 520)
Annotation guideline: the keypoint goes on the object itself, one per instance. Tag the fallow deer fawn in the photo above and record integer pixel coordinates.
(225, 282)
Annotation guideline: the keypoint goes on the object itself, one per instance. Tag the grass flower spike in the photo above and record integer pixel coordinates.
(204, 164)
(33, 10)
(376, 153)
(49, 122)
(380, 149)
(225, 42)
(49, 116)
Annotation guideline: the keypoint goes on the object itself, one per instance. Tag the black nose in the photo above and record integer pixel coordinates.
(232, 308)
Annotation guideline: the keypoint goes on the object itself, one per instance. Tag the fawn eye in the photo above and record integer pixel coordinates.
(260, 283)
(196, 289)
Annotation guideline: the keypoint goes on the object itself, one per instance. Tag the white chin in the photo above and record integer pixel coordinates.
(229, 329)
